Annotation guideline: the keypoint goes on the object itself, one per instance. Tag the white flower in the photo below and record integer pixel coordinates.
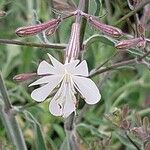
(71, 77)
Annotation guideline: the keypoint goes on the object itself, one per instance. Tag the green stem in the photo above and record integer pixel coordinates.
(143, 3)
(4, 94)
(114, 66)
(84, 7)
(13, 129)
(142, 113)
(71, 133)
(15, 42)
(120, 64)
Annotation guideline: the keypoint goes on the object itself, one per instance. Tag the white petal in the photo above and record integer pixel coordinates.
(81, 69)
(88, 89)
(59, 67)
(69, 105)
(40, 94)
(44, 80)
(45, 68)
(56, 104)
(70, 67)
(63, 103)
(55, 108)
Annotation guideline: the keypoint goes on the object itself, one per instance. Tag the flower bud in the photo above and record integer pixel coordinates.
(106, 29)
(24, 77)
(73, 47)
(35, 29)
(51, 30)
(140, 133)
(126, 44)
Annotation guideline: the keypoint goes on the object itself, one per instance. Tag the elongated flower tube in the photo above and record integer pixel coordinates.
(35, 29)
(126, 44)
(73, 48)
(106, 29)
(68, 78)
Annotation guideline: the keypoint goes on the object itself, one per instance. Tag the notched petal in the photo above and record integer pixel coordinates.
(82, 69)
(59, 67)
(40, 94)
(45, 68)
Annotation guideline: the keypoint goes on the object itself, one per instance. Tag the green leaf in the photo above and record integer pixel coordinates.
(94, 131)
(59, 131)
(101, 38)
(99, 6)
(137, 52)
(39, 139)
(40, 143)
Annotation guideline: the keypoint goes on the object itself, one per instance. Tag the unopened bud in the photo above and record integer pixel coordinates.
(126, 44)
(24, 77)
(35, 29)
(2, 13)
(51, 30)
(140, 133)
(106, 29)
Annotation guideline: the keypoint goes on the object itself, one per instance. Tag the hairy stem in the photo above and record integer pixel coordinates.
(120, 64)
(114, 66)
(71, 133)
(15, 42)
(4, 95)
(13, 129)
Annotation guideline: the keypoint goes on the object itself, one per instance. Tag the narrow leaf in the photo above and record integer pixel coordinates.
(39, 139)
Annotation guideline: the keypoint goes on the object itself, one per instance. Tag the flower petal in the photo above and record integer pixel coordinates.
(45, 68)
(55, 108)
(69, 105)
(70, 67)
(40, 94)
(63, 103)
(44, 80)
(56, 104)
(59, 67)
(88, 89)
(81, 69)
